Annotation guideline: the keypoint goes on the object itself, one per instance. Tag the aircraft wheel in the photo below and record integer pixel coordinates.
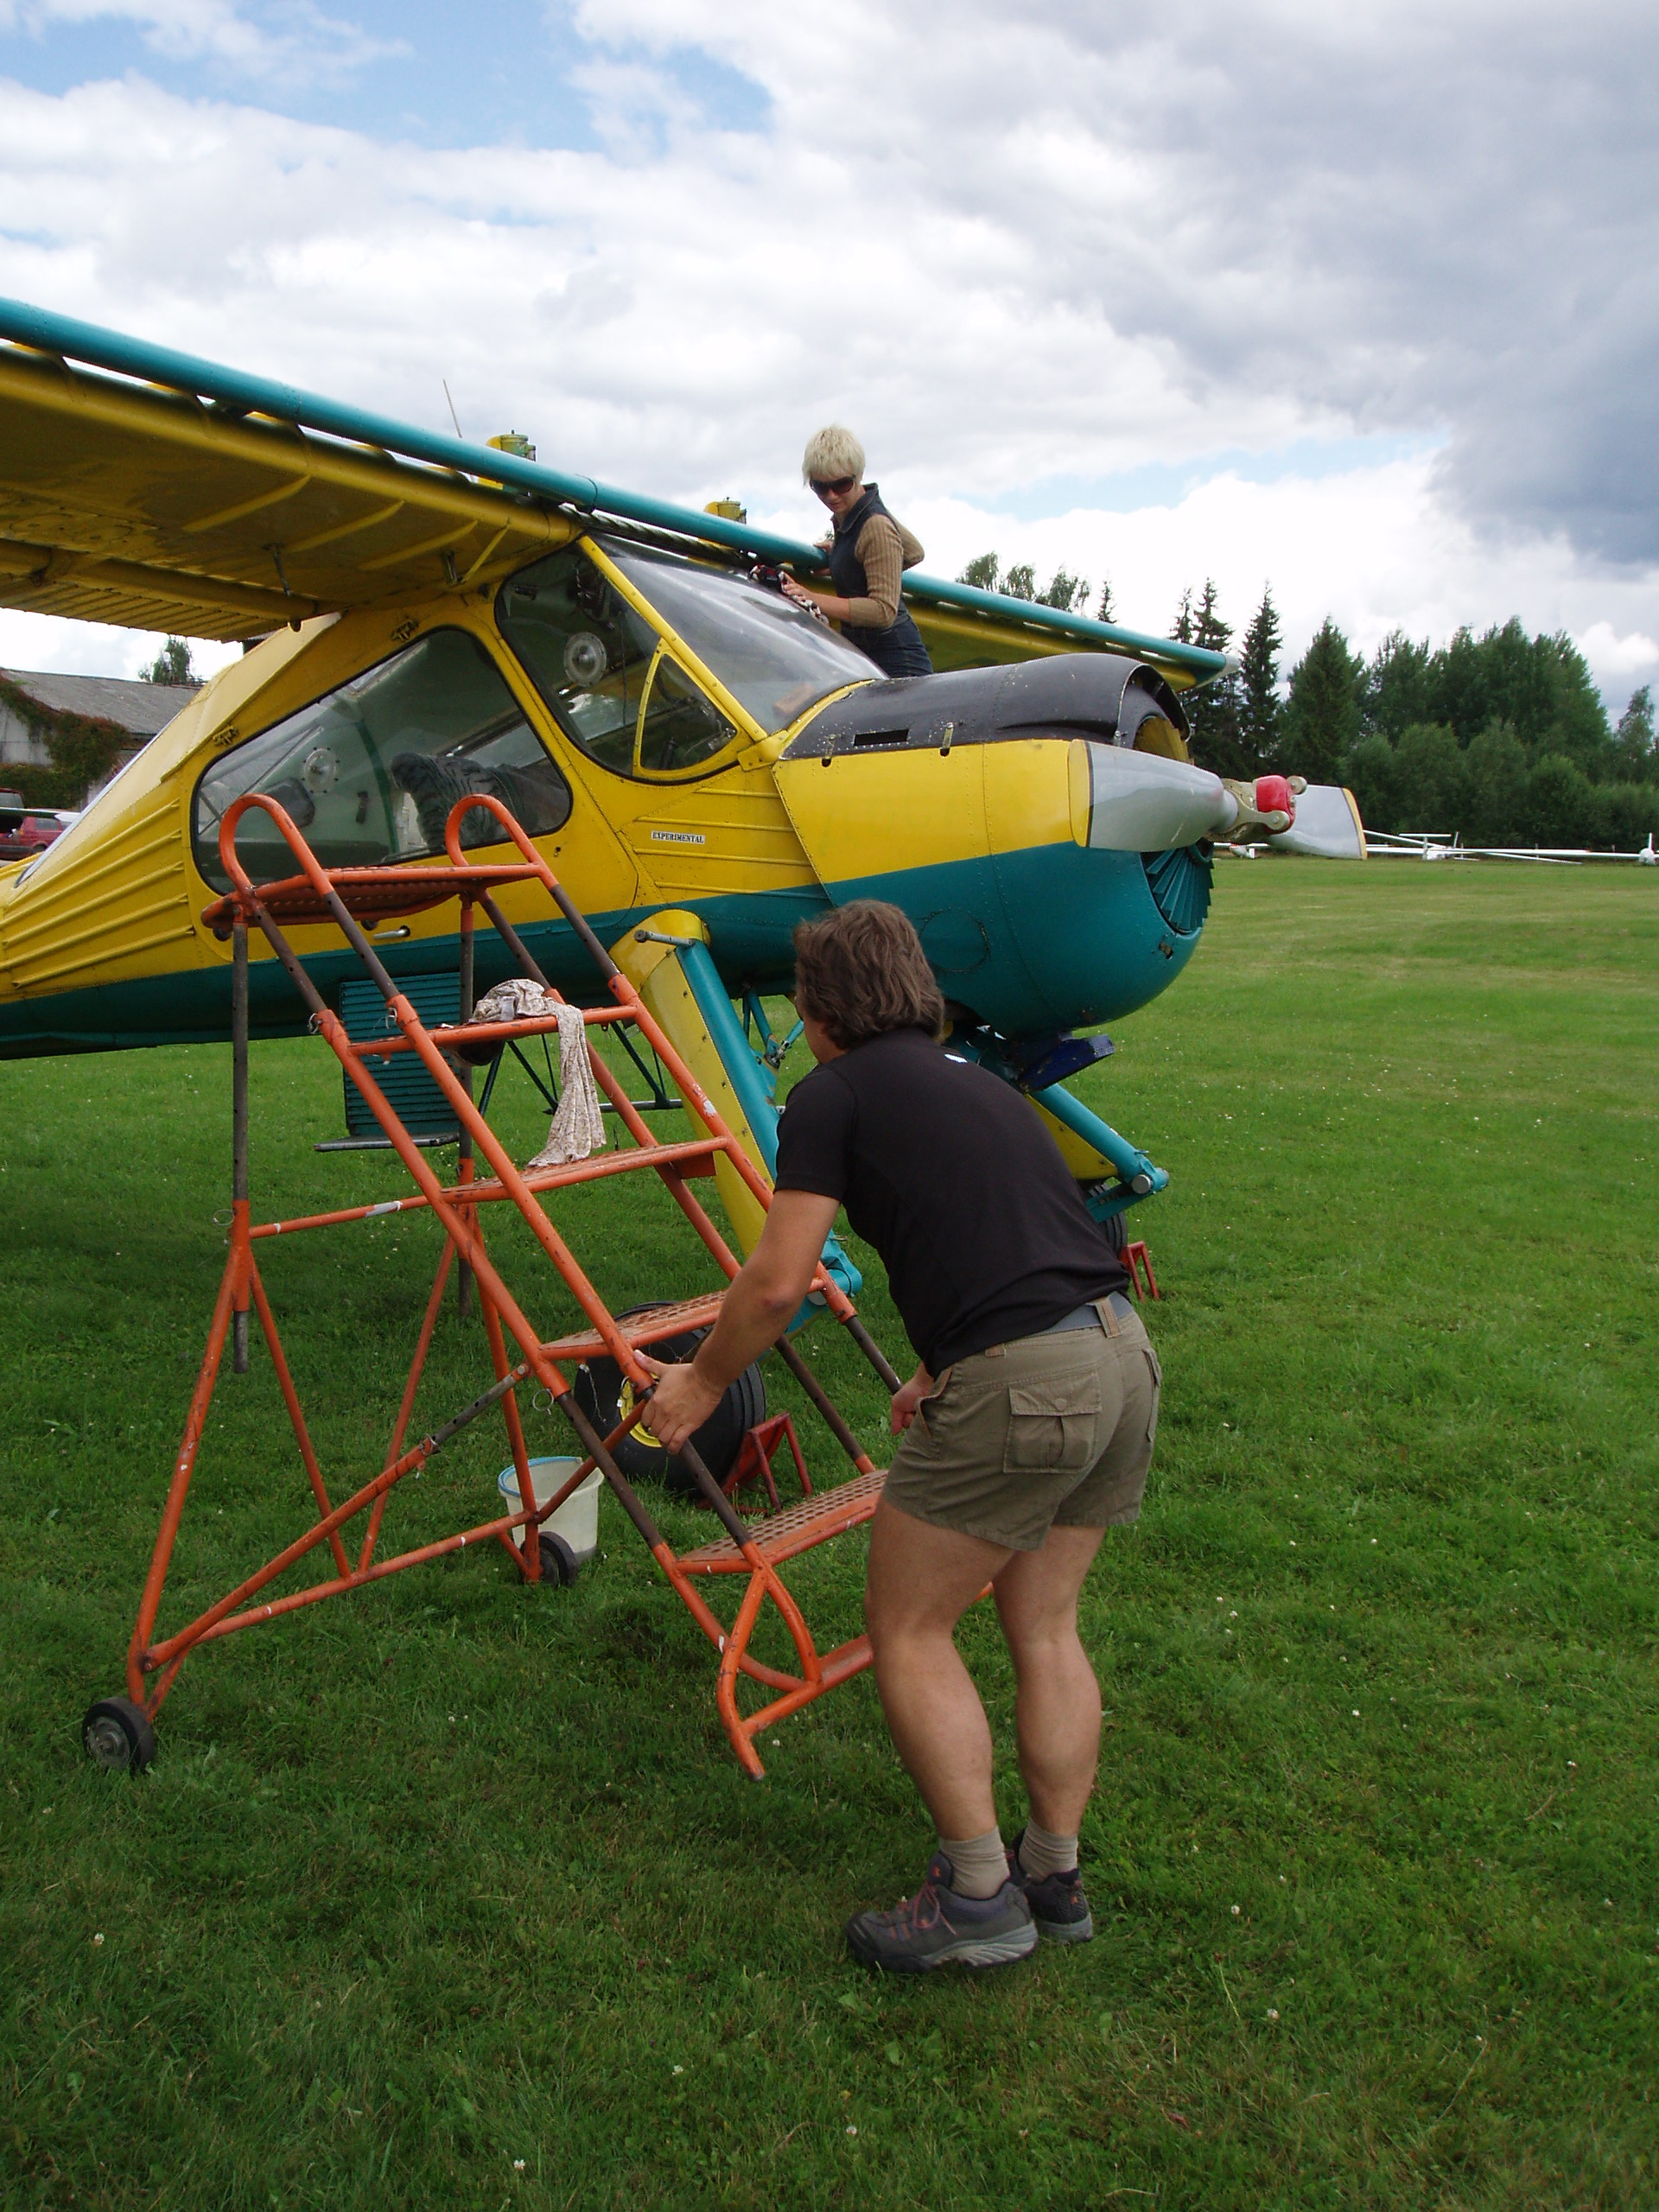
(605, 1396)
(118, 1735)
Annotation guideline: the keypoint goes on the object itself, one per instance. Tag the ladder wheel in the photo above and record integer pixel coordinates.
(118, 1735)
(559, 1564)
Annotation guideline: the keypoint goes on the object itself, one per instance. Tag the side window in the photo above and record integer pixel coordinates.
(370, 772)
(678, 728)
(604, 673)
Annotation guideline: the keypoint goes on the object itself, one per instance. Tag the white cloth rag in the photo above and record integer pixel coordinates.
(578, 1126)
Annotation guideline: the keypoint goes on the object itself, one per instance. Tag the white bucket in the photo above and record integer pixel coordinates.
(576, 1520)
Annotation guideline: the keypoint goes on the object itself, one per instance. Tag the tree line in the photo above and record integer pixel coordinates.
(1503, 739)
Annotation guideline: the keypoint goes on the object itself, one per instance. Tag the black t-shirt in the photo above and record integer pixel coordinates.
(947, 1171)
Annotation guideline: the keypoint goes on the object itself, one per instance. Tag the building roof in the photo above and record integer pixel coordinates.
(141, 708)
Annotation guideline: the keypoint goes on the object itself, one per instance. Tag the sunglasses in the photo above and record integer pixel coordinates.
(837, 484)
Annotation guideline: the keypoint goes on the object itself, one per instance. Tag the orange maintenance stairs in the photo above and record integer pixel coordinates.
(119, 1731)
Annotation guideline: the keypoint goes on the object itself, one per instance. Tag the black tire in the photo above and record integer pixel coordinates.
(560, 1566)
(601, 1391)
(116, 1734)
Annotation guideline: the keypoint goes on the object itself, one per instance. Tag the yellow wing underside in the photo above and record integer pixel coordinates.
(120, 503)
(126, 504)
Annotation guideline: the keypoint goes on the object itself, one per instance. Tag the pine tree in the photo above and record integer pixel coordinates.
(1213, 709)
(1397, 686)
(1638, 762)
(1260, 711)
(1106, 612)
(1322, 720)
(1183, 628)
(1068, 593)
(171, 664)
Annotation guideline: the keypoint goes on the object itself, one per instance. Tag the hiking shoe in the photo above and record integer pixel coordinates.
(1058, 1904)
(936, 1928)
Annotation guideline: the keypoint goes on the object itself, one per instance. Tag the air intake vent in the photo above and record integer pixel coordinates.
(1179, 883)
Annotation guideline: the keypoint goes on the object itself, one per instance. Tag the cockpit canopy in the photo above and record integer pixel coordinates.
(654, 666)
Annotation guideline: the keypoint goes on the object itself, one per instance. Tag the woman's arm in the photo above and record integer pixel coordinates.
(763, 1300)
(881, 556)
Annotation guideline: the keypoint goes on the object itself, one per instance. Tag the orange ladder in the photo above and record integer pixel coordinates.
(119, 1731)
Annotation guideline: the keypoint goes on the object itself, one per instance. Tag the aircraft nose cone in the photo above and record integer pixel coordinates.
(1127, 801)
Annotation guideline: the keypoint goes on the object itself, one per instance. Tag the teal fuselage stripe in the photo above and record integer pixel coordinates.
(1054, 937)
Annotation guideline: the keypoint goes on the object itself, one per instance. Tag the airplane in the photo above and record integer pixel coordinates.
(435, 618)
(1434, 845)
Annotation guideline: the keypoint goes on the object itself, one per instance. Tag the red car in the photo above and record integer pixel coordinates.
(25, 831)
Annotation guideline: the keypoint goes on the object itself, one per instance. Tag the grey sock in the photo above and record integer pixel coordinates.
(979, 1864)
(1042, 1852)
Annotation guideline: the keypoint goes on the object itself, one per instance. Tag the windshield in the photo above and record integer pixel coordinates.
(607, 677)
(773, 658)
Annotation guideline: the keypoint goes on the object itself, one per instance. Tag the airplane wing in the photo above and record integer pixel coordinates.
(147, 487)
(121, 502)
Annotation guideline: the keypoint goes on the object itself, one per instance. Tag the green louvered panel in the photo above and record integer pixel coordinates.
(1179, 882)
(424, 1109)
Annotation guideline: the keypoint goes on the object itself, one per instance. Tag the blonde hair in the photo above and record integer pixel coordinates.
(831, 452)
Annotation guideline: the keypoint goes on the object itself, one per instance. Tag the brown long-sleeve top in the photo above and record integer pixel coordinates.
(885, 549)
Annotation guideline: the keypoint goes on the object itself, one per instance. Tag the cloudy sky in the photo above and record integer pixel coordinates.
(1362, 303)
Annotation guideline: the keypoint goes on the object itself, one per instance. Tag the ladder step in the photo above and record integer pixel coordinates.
(648, 1327)
(363, 891)
(453, 1036)
(784, 1535)
(691, 1159)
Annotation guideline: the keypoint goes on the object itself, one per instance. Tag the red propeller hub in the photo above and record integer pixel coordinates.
(1274, 795)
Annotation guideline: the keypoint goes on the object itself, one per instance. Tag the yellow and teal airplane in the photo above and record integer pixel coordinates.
(435, 618)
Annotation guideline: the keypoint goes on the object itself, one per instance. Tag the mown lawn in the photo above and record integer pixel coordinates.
(453, 1894)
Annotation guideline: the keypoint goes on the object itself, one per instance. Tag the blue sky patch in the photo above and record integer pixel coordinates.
(442, 76)
(1165, 484)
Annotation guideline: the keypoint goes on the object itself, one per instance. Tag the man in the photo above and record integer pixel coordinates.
(1028, 1427)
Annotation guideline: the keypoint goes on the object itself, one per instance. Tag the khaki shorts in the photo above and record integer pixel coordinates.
(1048, 1430)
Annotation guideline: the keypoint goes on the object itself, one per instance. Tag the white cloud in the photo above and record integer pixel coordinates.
(1011, 250)
(47, 642)
(1636, 655)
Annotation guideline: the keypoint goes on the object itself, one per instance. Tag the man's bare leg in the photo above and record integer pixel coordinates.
(922, 1580)
(1058, 1702)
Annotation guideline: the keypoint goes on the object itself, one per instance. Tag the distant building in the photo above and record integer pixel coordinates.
(33, 706)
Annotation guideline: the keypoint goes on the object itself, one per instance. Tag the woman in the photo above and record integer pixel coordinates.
(1027, 1426)
(868, 555)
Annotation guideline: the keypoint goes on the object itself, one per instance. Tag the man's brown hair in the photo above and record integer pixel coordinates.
(859, 970)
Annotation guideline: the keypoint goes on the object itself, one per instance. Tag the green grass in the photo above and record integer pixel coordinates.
(460, 1874)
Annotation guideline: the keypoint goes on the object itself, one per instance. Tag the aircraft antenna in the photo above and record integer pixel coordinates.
(454, 417)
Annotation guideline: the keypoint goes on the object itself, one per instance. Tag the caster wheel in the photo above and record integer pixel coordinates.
(559, 1563)
(118, 1735)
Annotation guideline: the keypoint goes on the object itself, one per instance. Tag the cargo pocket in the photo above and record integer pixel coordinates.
(1053, 1426)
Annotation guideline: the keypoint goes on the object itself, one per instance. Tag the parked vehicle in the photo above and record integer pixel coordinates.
(25, 831)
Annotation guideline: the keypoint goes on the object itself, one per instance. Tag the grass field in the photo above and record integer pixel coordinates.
(453, 1894)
